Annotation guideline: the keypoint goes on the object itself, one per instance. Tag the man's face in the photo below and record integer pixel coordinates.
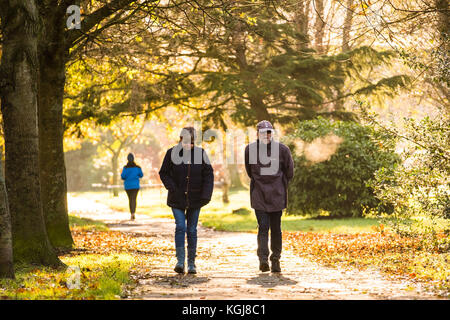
(265, 136)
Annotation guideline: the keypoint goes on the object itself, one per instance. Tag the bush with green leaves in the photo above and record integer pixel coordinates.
(337, 184)
(420, 187)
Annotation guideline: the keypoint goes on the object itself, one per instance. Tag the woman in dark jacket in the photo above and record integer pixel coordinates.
(188, 176)
(131, 174)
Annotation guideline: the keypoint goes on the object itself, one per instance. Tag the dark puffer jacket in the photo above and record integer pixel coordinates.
(190, 185)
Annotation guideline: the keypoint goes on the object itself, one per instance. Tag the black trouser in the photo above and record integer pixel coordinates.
(132, 195)
(266, 221)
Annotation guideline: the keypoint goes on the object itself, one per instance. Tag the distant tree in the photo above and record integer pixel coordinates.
(347, 25)
(82, 168)
(418, 30)
(319, 25)
(114, 138)
(245, 62)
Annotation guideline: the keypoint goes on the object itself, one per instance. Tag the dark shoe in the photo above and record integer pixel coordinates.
(191, 261)
(179, 267)
(191, 268)
(264, 266)
(132, 216)
(276, 266)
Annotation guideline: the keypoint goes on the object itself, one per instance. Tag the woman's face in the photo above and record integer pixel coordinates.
(186, 143)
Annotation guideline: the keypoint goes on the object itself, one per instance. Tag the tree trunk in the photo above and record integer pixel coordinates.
(443, 27)
(339, 104)
(115, 168)
(6, 254)
(19, 65)
(319, 25)
(52, 164)
(225, 186)
(258, 106)
(225, 198)
(443, 18)
(235, 179)
(347, 26)
(248, 76)
(301, 21)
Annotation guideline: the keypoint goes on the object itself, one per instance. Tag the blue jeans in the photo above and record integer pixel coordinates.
(266, 221)
(189, 229)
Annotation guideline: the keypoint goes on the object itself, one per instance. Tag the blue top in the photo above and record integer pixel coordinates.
(131, 175)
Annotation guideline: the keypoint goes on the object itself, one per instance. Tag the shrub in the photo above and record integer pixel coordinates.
(419, 188)
(334, 161)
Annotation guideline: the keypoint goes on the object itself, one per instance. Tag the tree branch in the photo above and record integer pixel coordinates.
(95, 18)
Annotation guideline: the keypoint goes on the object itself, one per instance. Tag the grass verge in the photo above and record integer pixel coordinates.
(91, 273)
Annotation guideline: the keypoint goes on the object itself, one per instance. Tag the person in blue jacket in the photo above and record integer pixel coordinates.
(131, 174)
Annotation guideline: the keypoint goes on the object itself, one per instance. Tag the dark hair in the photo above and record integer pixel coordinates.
(131, 164)
(188, 131)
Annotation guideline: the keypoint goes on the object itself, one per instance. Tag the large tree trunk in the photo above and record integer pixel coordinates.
(52, 62)
(19, 108)
(6, 254)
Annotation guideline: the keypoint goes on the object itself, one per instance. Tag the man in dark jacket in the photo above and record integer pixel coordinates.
(188, 176)
(270, 167)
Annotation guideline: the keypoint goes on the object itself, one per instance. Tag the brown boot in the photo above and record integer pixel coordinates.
(132, 216)
(264, 266)
(276, 266)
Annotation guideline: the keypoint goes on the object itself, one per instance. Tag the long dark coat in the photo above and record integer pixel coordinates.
(269, 192)
(189, 184)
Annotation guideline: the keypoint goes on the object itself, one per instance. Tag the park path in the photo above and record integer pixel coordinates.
(228, 267)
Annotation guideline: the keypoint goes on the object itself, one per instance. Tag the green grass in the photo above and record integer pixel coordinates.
(101, 277)
(86, 224)
(220, 216)
(247, 223)
(109, 273)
